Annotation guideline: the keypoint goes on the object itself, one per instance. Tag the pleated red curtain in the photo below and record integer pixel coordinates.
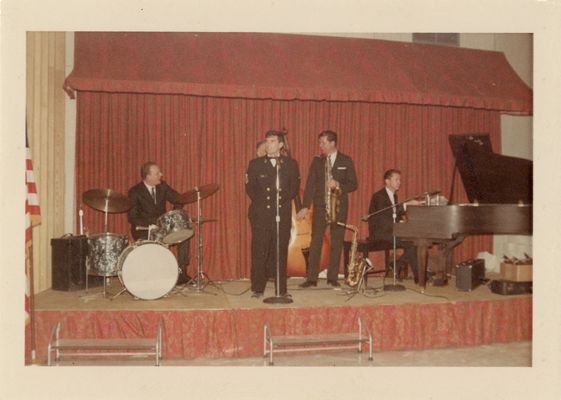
(201, 140)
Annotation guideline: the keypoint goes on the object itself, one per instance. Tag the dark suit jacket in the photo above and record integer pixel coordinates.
(380, 226)
(343, 171)
(261, 188)
(143, 211)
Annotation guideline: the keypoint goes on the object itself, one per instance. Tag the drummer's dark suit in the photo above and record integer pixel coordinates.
(261, 188)
(343, 171)
(144, 212)
(380, 227)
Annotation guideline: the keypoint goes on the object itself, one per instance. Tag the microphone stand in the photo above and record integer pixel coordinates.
(394, 287)
(278, 299)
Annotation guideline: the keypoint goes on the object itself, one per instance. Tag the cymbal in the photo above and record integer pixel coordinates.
(191, 195)
(106, 200)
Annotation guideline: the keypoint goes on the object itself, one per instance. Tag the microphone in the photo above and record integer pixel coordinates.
(365, 217)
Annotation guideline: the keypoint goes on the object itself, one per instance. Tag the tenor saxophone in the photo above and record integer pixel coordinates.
(357, 264)
(332, 195)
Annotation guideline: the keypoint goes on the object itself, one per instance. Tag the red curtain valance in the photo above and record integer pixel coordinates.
(287, 67)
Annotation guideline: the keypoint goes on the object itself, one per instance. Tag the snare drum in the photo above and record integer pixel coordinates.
(104, 250)
(174, 227)
(148, 270)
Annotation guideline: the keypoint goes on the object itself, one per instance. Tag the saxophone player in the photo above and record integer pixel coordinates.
(330, 178)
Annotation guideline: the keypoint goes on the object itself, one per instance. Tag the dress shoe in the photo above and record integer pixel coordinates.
(334, 283)
(183, 279)
(308, 284)
(257, 295)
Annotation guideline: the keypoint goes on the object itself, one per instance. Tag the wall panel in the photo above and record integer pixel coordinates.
(45, 127)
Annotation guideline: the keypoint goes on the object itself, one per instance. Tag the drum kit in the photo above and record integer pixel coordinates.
(147, 269)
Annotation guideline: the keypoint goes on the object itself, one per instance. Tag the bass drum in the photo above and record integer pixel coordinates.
(148, 270)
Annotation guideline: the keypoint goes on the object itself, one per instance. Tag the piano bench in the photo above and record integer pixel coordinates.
(366, 246)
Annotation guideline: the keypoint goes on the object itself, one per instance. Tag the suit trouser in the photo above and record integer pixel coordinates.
(264, 254)
(409, 255)
(337, 235)
(183, 256)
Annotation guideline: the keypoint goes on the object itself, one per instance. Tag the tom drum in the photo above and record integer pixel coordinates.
(104, 250)
(174, 227)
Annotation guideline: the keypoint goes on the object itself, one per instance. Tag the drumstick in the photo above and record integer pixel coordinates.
(146, 228)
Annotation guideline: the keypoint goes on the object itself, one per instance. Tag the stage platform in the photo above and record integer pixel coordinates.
(224, 321)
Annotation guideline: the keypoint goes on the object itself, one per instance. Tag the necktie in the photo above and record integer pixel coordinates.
(154, 193)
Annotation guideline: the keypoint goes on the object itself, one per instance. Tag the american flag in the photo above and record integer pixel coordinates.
(32, 218)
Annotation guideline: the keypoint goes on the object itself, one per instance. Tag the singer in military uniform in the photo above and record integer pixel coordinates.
(262, 188)
(343, 178)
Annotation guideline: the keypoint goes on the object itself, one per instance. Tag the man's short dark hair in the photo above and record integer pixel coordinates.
(145, 169)
(329, 135)
(278, 134)
(388, 174)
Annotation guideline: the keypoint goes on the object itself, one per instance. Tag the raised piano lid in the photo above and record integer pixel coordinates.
(491, 178)
(447, 222)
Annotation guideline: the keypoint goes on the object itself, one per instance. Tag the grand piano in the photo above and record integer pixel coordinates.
(499, 189)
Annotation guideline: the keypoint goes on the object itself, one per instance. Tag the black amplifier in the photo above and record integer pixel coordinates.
(469, 274)
(506, 288)
(69, 264)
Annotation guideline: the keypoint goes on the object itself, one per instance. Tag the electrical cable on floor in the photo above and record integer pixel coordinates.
(429, 295)
(219, 285)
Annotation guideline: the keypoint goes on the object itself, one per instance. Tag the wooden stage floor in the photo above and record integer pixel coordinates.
(237, 294)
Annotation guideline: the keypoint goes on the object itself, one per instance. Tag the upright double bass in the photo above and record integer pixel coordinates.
(301, 236)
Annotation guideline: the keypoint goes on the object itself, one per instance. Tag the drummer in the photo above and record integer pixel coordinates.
(148, 199)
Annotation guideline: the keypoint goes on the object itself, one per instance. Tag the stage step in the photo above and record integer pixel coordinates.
(104, 347)
(285, 344)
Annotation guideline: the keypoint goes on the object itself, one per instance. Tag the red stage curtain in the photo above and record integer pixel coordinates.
(201, 140)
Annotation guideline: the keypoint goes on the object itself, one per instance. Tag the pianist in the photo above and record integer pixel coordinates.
(380, 226)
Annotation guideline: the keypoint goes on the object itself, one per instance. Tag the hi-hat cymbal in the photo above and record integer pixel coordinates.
(106, 200)
(191, 195)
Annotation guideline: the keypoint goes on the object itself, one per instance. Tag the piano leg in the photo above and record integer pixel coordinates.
(441, 278)
(445, 260)
(422, 257)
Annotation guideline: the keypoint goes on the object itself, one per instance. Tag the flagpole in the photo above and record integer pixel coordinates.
(33, 218)
(32, 300)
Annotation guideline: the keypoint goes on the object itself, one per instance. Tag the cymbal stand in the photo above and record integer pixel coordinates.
(106, 208)
(202, 279)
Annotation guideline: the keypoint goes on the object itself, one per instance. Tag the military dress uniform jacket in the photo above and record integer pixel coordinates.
(380, 226)
(261, 188)
(343, 171)
(144, 211)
